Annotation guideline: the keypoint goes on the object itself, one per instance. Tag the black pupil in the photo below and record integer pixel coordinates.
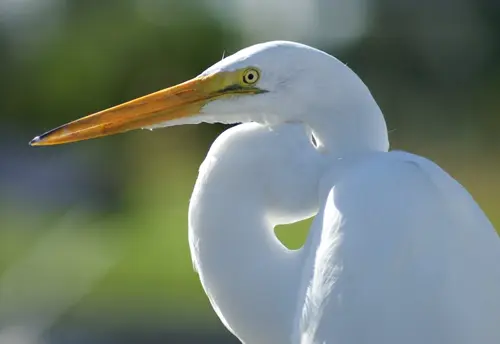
(250, 76)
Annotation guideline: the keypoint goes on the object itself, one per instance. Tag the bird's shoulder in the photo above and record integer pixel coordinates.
(385, 177)
(398, 243)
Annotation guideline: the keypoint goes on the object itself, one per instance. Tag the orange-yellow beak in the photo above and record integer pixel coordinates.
(183, 100)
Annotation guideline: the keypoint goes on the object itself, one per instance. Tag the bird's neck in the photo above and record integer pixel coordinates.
(248, 275)
(359, 127)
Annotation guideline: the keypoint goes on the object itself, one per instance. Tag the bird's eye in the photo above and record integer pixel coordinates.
(250, 76)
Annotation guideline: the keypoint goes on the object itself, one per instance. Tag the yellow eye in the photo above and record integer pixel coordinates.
(251, 76)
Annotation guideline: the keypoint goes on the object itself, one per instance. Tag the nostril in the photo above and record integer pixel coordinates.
(313, 141)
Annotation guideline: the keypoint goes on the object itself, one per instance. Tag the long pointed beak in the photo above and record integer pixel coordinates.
(183, 100)
(175, 102)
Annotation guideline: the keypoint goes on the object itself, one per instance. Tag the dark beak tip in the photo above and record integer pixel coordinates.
(35, 140)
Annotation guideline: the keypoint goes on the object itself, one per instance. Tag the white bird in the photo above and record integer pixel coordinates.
(399, 252)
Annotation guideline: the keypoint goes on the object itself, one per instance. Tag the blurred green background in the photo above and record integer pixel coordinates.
(93, 236)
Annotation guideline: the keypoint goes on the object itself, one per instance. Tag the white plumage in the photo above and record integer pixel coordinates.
(398, 252)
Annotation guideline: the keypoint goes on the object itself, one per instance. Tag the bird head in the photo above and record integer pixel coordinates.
(270, 83)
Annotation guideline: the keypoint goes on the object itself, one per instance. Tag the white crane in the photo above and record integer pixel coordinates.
(399, 252)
